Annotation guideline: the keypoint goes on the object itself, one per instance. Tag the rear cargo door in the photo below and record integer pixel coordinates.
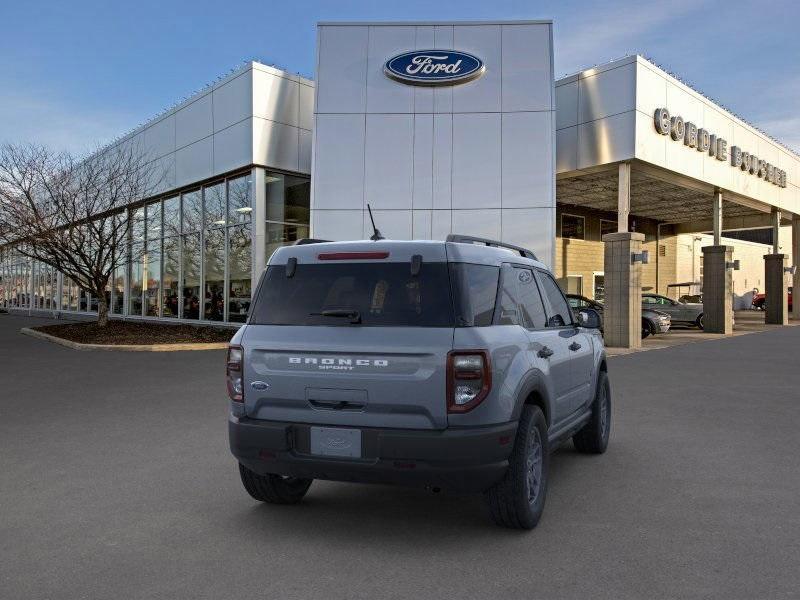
(343, 341)
(357, 376)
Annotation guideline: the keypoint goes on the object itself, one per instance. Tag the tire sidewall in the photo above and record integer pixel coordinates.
(531, 512)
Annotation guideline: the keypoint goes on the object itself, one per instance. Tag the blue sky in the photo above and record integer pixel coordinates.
(75, 74)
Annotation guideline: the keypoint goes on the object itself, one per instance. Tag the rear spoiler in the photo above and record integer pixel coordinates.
(305, 241)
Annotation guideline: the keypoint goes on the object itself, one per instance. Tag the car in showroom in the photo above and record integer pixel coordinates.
(760, 300)
(653, 321)
(681, 313)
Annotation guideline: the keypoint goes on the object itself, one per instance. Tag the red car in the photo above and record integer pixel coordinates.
(760, 300)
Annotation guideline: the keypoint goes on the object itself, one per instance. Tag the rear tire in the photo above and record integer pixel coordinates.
(593, 437)
(274, 489)
(517, 501)
(699, 321)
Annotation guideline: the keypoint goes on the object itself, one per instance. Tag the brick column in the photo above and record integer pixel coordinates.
(717, 290)
(777, 312)
(622, 314)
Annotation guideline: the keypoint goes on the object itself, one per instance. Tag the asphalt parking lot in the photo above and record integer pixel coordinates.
(116, 482)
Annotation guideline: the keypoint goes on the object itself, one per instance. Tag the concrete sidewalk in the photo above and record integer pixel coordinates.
(747, 321)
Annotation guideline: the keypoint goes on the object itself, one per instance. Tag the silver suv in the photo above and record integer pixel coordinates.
(453, 365)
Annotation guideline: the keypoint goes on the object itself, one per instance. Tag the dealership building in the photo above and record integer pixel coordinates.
(621, 178)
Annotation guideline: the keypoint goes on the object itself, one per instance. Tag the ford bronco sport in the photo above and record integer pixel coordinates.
(454, 365)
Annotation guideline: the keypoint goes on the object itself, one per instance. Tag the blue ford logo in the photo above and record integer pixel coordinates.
(434, 67)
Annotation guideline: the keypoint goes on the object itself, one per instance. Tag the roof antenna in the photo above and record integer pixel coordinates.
(377, 235)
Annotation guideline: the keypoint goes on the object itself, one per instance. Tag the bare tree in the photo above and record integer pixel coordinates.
(70, 213)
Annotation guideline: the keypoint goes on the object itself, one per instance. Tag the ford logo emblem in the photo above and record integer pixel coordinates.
(434, 67)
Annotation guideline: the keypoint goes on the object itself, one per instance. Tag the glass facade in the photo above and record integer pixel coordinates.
(190, 255)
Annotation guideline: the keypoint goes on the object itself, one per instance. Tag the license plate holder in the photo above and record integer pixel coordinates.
(336, 441)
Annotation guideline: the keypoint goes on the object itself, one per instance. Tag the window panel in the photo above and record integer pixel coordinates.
(560, 313)
(572, 227)
(239, 209)
(214, 269)
(172, 216)
(192, 211)
(239, 269)
(288, 198)
(137, 225)
(170, 276)
(154, 221)
(135, 281)
(152, 277)
(191, 276)
(607, 227)
(214, 198)
(533, 315)
(119, 291)
(282, 234)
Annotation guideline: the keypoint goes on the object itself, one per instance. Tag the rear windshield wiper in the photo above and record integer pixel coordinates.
(343, 313)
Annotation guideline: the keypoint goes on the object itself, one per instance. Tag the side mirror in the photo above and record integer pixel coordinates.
(589, 318)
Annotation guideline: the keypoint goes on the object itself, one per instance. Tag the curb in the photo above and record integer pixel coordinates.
(124, 347)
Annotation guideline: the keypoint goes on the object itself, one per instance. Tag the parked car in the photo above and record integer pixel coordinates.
(682, 313)
(653, 321)
(440, 364)
(760, 300)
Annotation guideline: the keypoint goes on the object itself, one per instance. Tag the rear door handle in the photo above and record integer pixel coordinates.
(574, 346)
(545, 352)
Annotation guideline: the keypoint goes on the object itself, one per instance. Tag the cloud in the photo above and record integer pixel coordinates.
(39, 117)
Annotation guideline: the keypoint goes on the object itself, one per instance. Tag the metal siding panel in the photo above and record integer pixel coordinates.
(482, 94)
(567, 149)
(389, 169)
(194, 121)
(342, 69)
(526, 80)
(306, 106)
(194, 162)
(233, 101)
(339, 167)
(527, 167)
(480, 222)
(276, 98)
(442, 161)
(385, 95)
(304, 151)
(275, 145)
(423, 161)
(607, 93)
(567, 105)
(476, 160)
(606, 140)
(233, 147)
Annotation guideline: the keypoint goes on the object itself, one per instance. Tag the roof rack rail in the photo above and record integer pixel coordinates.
(468, 239)
(304, 241)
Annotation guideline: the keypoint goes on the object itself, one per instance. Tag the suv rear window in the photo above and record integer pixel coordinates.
(384, 294)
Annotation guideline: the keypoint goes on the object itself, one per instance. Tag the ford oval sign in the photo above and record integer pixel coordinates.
(434, 67)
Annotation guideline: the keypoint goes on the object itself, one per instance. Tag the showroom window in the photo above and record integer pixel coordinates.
(573, 227)
(288, 210)
(607, 227)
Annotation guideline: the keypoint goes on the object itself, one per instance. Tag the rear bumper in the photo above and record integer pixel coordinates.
(459, 459)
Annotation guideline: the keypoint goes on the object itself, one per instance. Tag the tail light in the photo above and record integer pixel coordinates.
(233, 373)
(469, 379)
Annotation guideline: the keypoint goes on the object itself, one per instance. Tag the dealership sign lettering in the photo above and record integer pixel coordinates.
(434, 67)
(704, 141)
